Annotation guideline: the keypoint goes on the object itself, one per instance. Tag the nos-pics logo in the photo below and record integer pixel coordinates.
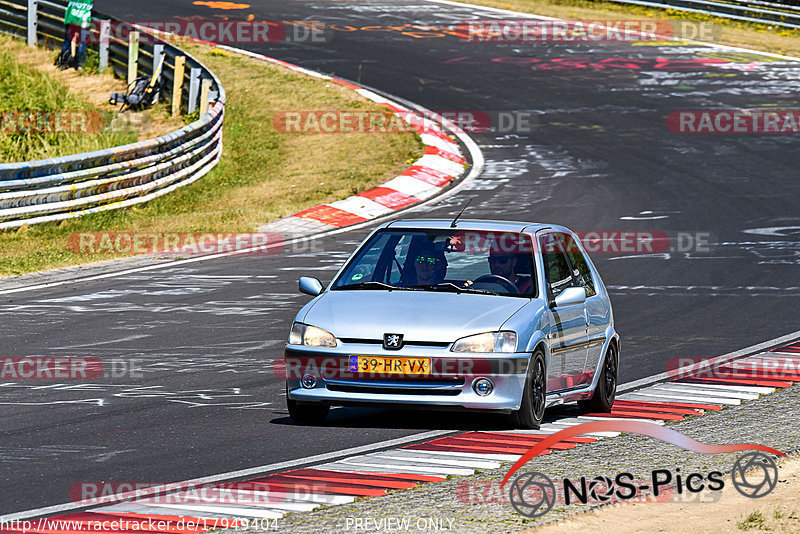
(533, 494)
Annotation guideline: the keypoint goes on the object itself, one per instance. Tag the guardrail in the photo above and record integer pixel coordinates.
(50, 190)
(784, 14)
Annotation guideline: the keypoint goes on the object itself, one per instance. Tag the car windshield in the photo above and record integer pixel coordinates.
(452, 260)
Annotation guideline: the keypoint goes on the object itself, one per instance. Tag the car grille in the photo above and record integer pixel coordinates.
(399, 387)
(380, 342)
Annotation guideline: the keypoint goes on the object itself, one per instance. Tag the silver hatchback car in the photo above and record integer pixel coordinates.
(509, 317)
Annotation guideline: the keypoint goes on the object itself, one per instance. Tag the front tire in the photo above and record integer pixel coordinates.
(606, 391)
(534, 396)
(306, 413)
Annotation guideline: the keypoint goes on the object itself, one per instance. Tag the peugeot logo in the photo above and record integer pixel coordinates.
(392, 341)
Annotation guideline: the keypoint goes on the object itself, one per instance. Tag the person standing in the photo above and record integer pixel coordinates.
(77, 20)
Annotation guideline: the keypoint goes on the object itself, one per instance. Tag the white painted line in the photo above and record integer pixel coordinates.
(401, 467)
(476, 455)
(698, 389)
(375, 97)
(589, 419)
(135, 508)
(438, 163)
(303, 497)
(234, 474)
(256, 499)
(438, 142)
(240, 511)
(791, 355)
(411, 186)
(361, 206)
(661, 396)
(553, 428)
(761, 390)
(770, 363)
(438, 460)
(697, 392)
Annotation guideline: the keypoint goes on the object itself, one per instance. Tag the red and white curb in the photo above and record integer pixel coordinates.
(376, 473)
(441, 164)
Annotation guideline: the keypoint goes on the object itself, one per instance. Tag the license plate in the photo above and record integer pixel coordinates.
(390, 365)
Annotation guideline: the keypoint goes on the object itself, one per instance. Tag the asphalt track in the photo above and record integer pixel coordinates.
(601, 158)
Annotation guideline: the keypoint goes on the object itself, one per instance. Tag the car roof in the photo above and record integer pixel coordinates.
(472, 224)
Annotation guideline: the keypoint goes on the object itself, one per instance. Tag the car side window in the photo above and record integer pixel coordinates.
(582, 276)
(556, 268)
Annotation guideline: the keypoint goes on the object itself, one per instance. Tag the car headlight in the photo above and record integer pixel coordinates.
(310, 336)
(488, 342)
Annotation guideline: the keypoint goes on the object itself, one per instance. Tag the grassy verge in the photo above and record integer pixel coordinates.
(24, 87)
(743, 34)
(263, 175)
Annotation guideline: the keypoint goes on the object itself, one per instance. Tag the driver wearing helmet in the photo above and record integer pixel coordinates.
(505, 265)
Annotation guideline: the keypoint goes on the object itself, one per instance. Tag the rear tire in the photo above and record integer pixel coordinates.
(306, 413)
(606, 391)
(534, 396)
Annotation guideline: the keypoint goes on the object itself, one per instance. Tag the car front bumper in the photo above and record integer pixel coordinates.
(448, 386)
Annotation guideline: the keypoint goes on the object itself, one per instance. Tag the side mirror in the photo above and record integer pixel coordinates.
(310, 286)
(570, 297)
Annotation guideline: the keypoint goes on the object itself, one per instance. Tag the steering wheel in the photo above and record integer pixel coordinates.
(497, 279)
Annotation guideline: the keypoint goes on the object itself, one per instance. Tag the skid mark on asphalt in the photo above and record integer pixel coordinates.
(710, 291)
(48, 453)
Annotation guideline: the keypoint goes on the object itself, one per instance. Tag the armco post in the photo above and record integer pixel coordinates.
(133, 56)
(105, 36)
(205, 87)
(33, 8)
(158, 49)
(177, 84)
(194, 89)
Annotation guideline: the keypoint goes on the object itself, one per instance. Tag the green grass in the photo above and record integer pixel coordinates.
(24, 88)
(263, 175)
(755, 520)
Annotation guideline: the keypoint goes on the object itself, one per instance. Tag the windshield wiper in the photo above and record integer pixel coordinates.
(372, 285)
(451, 285)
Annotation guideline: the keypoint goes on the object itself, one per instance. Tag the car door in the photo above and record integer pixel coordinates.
(598, 312)
(567, 330)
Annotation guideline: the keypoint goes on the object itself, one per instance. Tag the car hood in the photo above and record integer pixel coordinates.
(418, 315)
